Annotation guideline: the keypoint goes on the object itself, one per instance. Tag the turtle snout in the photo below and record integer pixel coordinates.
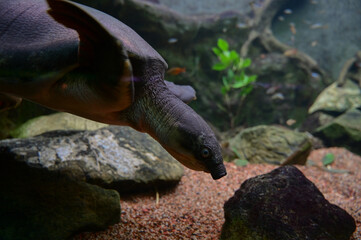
(218, 171)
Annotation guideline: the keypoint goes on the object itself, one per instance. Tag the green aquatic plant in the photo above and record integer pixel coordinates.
(236, 83)
(240, 161)
(328, 159)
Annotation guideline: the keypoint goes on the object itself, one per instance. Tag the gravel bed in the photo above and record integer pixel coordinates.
(194, 209)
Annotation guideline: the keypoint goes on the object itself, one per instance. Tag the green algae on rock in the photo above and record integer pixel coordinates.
(272, 144)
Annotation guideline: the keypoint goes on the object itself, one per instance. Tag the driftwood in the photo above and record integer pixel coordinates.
(262, 34)
(351, 69)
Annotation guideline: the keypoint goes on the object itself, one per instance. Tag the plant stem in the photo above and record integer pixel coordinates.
(229, 110)
(240, 104)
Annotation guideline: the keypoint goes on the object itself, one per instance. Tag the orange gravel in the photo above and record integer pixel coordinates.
(194, 209)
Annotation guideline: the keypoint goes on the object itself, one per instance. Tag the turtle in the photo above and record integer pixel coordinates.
(73, 58)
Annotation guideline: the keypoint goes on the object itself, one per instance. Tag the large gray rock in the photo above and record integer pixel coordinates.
(283, 205)
(38, 204)
(113, 157)
(46, 189)
(271, 144)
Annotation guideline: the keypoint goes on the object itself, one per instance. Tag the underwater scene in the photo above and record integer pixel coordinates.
(165, 119)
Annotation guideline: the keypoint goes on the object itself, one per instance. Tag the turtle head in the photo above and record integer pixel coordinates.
(193, 143)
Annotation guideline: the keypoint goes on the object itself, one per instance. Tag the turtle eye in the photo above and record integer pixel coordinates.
(205, 153)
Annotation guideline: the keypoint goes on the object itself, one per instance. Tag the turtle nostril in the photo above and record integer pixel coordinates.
(219, 171)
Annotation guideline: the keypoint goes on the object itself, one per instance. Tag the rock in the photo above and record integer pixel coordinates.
(338, 98)
(272, 144)
(46, 189)
(345, 131)
(56, 121)
(12, 119)
(335, 114)
(38, 204)
(283, 205)
(113, 157)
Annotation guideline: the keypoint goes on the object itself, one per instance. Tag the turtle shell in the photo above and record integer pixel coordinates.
(32, 43)
(135, 45)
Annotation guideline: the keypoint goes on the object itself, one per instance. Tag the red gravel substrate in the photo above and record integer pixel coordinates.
(194, 209)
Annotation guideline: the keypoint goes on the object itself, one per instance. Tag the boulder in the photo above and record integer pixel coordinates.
(48, 186)
(344, 130)
(335, 115)
(56, 121)
(283, 205)
(271, 144)
(338, 99)
(113, 157)
(37, 204)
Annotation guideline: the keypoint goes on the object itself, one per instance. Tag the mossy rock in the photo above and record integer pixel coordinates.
(271, 144)
(338, 98)
(56, 121)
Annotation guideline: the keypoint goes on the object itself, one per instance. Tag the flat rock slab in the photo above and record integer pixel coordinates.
(338, 98)
(345, 131)
(38, 204)
(271, 144)
(113, 157)
(283, 205)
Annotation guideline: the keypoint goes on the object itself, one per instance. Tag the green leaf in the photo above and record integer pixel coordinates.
(230, 74)
(222, 44)
(246, 90)
(225, 60)
(245, 79)
(241, 162)
(252, 78)
(328, 159)
(225, 82)
(216, 51)
(234, 56)
(241, 76)
(246, 63)
(239, 84)
(224, 91)
(219, 66)
(234, 149)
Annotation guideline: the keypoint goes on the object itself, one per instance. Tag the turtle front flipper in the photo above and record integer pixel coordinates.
(183, 92)
(8, 102)
(102, 58)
